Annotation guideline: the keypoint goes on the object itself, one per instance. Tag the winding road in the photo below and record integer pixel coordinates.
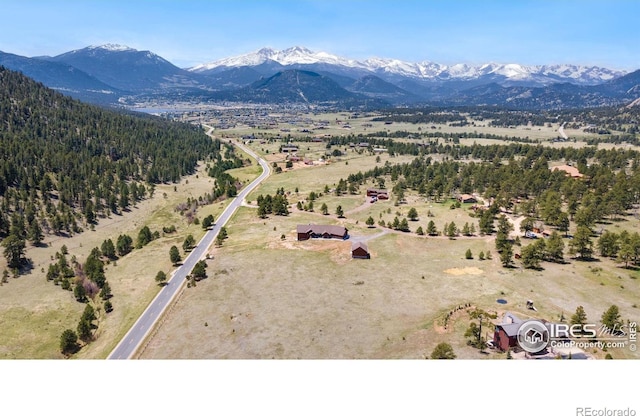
(128, 346)
(561, 131)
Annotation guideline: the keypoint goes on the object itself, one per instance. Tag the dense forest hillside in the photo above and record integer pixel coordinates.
(63, 164)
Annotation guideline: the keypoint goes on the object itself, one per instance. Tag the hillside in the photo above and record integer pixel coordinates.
(62, 77)
(298, 87)
(120, 75)
(65, 164)
(129, 69)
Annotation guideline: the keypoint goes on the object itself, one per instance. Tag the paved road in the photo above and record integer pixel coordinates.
(139, 331)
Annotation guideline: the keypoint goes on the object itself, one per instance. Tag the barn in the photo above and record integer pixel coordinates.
(505, 336)
(359, 250)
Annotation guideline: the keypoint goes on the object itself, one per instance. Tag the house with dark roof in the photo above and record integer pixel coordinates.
(305, 232)
(289, 149)
(377, 192)
(467, 199)
(359, 250)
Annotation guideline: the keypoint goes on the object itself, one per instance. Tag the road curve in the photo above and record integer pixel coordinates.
(561, 131)
(127, 347)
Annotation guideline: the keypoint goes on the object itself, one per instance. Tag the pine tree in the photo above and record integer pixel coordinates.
(506, 256)
(431, 228)
(443, 351)
(124, 245)
(34, 233)
(611, 319)
(144, 237)
(84, 330)
(68, 342)
(174, 255)
(105, 292)
(452, 230)
(199, 271)
(189, 243)
(412, 214)
(108, 249)
(14, 249)
(80, 293)
(161, 278)
(555, 248)
(581, 243)
(579, 318)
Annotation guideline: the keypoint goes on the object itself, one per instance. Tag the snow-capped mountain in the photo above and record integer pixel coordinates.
(111, 47)
(116, 73)
(292, 56)
(428, 71)
(128, 69)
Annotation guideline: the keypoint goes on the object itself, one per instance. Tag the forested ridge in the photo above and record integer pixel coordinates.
(64, 163)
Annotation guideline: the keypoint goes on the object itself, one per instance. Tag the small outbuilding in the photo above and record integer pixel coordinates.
(359, 250)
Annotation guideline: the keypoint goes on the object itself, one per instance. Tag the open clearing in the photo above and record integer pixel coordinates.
(269, 297)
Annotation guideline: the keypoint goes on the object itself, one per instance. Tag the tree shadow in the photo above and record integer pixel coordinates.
(588, 259)
(630, 267)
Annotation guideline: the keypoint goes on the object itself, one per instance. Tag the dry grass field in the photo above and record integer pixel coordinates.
(34, 312)
(272, 298)
(268, 297)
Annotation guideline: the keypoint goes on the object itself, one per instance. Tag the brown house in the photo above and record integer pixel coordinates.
(359, 250)
(505, 336)
(467, 199)
(308, 231)
(380, 193)
(289, 149)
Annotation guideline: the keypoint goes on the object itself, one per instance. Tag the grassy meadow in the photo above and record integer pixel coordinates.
(35, 312)
(270, 296)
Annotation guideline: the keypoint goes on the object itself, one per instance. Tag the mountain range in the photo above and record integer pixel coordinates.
(115, 74)
(303, 58)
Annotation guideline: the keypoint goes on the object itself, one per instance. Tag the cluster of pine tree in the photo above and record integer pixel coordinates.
(64, 163)
(276, 204)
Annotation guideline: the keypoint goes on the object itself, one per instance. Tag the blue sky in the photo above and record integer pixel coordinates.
(189, 32)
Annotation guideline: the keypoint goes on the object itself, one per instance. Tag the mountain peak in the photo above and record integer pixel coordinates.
(301, 57)
(112, 47)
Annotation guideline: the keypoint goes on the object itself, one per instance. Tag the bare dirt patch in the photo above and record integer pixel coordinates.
(461, 271)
